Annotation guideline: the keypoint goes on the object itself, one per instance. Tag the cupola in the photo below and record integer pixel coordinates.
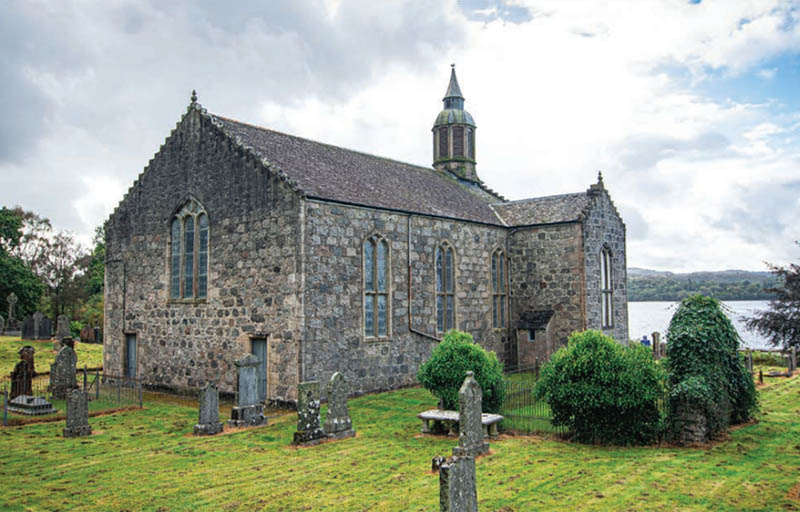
(454, 135)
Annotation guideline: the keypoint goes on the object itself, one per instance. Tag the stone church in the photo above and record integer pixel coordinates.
(239, 239)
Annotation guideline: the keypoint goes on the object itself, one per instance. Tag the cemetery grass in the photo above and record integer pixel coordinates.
(89, 354)
(147, 460)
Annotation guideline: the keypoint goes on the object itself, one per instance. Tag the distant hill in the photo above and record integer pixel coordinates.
(645, 284)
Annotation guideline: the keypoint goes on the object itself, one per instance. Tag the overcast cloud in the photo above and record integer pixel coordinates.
(689, 109)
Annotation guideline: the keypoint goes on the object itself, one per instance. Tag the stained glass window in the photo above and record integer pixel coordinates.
(189, 244)
(376, 288)
(499, 295)
(445, 288)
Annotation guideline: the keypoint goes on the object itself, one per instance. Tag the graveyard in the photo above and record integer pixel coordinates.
(89, 354)
(149, 459)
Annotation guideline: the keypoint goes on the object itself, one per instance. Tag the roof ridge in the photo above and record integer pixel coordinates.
(532, 199)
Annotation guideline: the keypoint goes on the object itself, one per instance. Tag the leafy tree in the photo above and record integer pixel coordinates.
(603, 391)
(15, 275)
(63, 268)
(780, 323)
(34, 241)
(447, 367)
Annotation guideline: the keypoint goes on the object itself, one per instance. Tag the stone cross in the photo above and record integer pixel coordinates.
(12, 307)
(208, 422)
(338, 424)
(248, 411)
(62, 327)
(63, 371)
(470, 427)
(77, 414)
(23, 373)
(457, 489)
(308, 429)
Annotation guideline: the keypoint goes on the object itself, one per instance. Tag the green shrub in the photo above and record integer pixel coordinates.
(75, 328)
(447, 368)
(768, 358)
(602, 391)
(703, 356)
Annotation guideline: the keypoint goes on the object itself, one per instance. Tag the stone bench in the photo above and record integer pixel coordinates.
(438, 421)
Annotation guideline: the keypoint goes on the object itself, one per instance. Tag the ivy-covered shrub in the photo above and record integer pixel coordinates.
(603, 391)
(706, 373)
(447, 368)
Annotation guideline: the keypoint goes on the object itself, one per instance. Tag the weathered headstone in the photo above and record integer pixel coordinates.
(23, 373)
(248, 411)
(338, 424)
(27, 328)
(208, 423)
(64, 370)
(87, 335)
(62, 327)
(470, 435)
(12, 322)
(77, 414)
(42, 327)
(97, 336)
(457, 489)
(2, 325)
(308, 425)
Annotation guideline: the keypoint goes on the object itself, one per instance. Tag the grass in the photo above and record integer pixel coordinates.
(147, 460)
(89, 354)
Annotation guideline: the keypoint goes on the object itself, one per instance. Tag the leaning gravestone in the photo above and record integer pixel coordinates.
(27, 328)
(470, 436)
(457, 489)
(248, 411)
(77, 414)
(23, 373)
(338, 424)
(62, 327)
(308, 430)
(63, 371)
(208, 423)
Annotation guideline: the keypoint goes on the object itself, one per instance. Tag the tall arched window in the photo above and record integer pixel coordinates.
(445, 288)
(470, 143)
(444, 146)
(606, 288)
(499, 289)
(376, 288)
(458, 141)
(189, 252)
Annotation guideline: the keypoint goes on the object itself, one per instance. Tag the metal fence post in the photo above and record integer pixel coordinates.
(119, 388)
(5, 407)
(85, 379)
(139, 385)
(97, 384)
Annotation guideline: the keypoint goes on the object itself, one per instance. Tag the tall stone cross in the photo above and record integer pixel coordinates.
(12, 306)
(470, 427)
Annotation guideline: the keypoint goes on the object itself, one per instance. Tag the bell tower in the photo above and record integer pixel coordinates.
(454, 135)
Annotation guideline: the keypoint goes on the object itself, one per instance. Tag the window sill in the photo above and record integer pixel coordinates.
(377, 340)
(188, 301)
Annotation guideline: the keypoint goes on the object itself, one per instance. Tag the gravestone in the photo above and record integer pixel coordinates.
(2, 325)
(87, 335)
(248, 411)
(27, 328)
(97, 337)
(62, 327)
(309, 431)
(63, 370)
(208, 423)
(23, 373)
(457, 489)
(12, 323)
(31, 406)
(77, 414)
(338, 424)
(470, 427)
(42, 327)
(748, 361)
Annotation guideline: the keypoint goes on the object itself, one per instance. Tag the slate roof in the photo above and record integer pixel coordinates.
(544, 210)
(329, 172)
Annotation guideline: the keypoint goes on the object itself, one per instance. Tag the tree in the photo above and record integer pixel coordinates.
(780, 323)
(15, 275)
(34, 241)
(63, 268)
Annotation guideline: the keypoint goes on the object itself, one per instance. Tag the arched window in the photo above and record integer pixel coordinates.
(444, 147)
(470, 143)
(189, 252)
(606, 288)
(499, 289)
(458, 141)
(445, 288)
(376, 288)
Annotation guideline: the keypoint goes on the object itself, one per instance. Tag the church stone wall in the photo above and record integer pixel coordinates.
(253, 278)
(603, 226)
(334, 339)
(547, 274)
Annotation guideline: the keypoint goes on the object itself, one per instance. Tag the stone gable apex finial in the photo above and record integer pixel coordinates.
(599, 177)
(194, 96)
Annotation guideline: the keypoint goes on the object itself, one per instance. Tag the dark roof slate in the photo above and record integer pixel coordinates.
(544, 210)
(332, 173)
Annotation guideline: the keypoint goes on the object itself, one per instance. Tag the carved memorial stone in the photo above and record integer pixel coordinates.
(208, 423)
(31, 406)
(12, 324)
(27, 328)
(338, 424)
(63, 370)
(248, 411)
(2, 325)
(23, 373)
(470, 435)
(43, 328)
(77, 414)
(62, 328)
(309, 431)
(457, 489)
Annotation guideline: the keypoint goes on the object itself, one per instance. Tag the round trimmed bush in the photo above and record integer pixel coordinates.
(705, 371)
(603, 391)
(447, 368)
